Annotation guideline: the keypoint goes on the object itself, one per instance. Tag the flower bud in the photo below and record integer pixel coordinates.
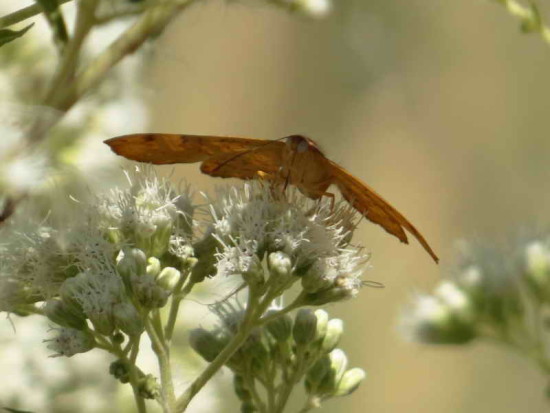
(342, 288)
(257, 352)
(160, 241)
(350, 381)
(280, 328)
(153, 267)
(147, 292)
(206, 343)
(317, 373)
(254, 274)
(338, 365)
(240, 389)
(248, 407)
(335, 328)
(322, 322)
(70, 342)
(130, 262)
(67, 292)
(280, 265)
(205, 252)
(148, 387)
(429, 320)
(57, 311)
(305, 327)
(127, 318)
(168, 278)
(103, 321)
(119, 370)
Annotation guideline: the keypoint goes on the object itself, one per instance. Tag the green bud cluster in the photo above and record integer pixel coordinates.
(284, 352)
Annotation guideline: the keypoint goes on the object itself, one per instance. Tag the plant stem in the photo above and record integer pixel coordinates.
(163, 356)
(175, 305)
(150, 22)
(254, 311)
(23, 14)
(134, 379)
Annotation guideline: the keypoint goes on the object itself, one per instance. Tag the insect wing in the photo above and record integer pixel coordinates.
(248, 164)
(162, 149)
(375, 208)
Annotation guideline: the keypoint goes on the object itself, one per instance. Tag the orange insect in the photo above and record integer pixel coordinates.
(298, 161)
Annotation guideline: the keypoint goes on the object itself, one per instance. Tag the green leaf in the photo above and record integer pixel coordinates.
(7, 35)
(53, 14)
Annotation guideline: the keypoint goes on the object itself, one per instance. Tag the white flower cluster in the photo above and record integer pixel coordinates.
(256, 222)
(493, 294)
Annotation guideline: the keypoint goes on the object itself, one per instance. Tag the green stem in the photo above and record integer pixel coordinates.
(525, 13)
(288, 385)
(254, 311)
(149, 23)
(23, 14)
(249, 380)
(134, 379)
(175, 305)
(163, 357)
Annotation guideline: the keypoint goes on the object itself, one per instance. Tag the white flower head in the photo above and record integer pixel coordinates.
(254, 220)
(148, 213)
(32, 265)
(423, 315)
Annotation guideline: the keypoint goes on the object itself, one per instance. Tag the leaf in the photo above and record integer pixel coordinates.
(7, 35)
(53, 14)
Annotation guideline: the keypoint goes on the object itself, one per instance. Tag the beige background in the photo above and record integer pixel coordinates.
(441, 106)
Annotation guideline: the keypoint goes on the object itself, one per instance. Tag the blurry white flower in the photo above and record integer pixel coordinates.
(315, 8)
(445, 317)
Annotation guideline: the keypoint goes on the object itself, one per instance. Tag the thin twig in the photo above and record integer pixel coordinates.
(23, 14)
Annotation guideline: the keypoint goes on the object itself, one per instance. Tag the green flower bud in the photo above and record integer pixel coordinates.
(130, 262)
(118, 338)
(119, 369)
(67, 294)
(148, 387)
(280, 265)
(340, 290)
(240, 389)
(254, 276)
(147, 292)
(257, 352)
(128, 319)
(103, 321)
(153, 267)
(305, 327)
(58, 312)
(248, 407)
(335, 328)
(205, 252)
(350, 381)
(70, 342)
(322, 322)
(317, 373)
(338, 365)
(207, 344)
(280, 328)
(160, 241)
(168, 278)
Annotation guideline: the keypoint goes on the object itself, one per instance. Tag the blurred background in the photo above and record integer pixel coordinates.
(439, 106)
